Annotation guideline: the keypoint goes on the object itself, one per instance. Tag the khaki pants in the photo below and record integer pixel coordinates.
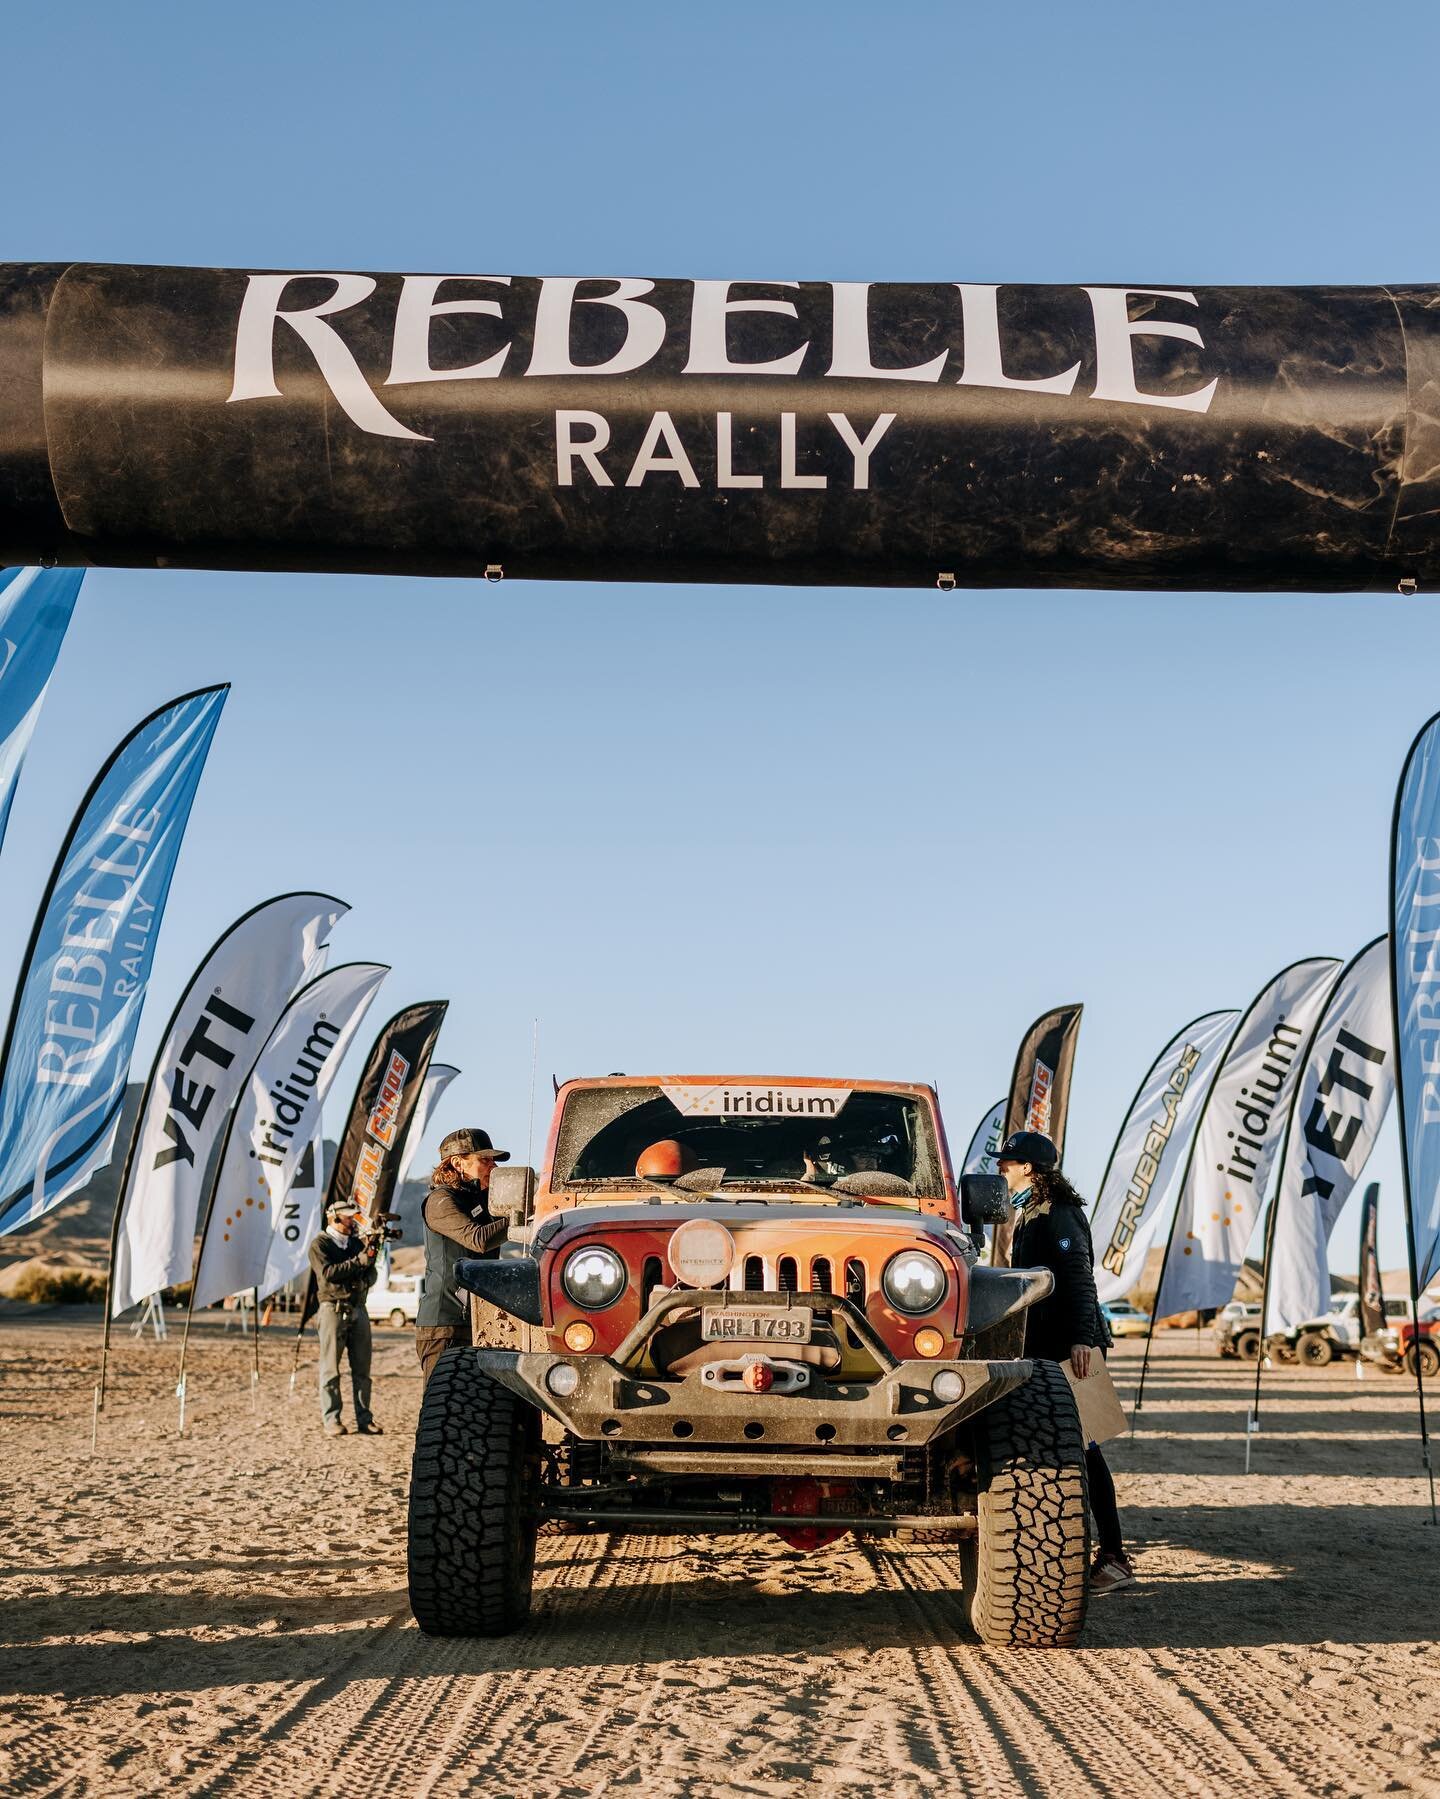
(432, 1340)
(344, 1330)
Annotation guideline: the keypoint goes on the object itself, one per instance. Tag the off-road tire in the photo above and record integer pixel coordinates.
(1247, 1346)
(472, 1491)
(1314, 1350)
(1428, 1358)
(1026, 1572)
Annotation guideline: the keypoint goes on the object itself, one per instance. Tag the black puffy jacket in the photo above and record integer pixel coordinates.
(1055, 1235)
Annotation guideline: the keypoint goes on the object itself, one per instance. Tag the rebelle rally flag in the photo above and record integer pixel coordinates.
(1148, 1160)
(1040, 1086)
(1372, 1288)
(273, 1122)
(1340, 1105)
(989, 1135)
(35, 609)
(367, 1163)
(77, 1004)
(224, 1015)
(1239, 1138)
(1415, 973)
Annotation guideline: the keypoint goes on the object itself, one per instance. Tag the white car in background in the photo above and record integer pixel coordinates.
(395, 1299)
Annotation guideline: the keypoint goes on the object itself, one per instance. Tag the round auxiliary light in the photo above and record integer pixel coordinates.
(929, 1343)
(563, 1379)
(594, 1277)
(702, 1253)
(913, 1281)
(948, 1386)
(579, 1336)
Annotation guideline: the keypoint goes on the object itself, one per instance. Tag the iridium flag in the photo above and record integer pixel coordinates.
(226, 1012)
(1148, 1161)
(252, 1215)
(1340, 1105)
(35, 609)
(989, 1135)
(77, 1004)
(1239, 1138)
(373, 1140)
(1415, 973)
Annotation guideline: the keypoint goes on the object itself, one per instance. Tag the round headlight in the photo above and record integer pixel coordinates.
(594, 1277)
(913, 1281)
(562, 1379)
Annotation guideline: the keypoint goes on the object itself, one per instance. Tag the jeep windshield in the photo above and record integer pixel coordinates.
(790, 1140)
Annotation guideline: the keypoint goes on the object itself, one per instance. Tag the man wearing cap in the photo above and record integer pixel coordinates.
(457, 1223)
(344, 1266)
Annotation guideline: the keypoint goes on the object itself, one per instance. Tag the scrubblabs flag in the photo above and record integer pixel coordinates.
(1415, 968)
(77, 1005)
(1148, 1161)
(368, 1159)
(1340, 1105)
(1372, 1288)
(989, 1135)
(225, 1014)
(1040, 1086)
(1239, 1137)
(437, 1078)
(35, 609)
(272, 1123)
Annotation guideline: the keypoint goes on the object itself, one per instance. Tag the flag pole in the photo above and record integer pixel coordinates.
(255, 1349)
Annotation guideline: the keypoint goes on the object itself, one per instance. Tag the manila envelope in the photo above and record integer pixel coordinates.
(1101, 1414)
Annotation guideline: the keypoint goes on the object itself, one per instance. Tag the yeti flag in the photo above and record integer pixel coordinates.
(225, 1014)
(1239, 1138)
(35, 609)
(77, 1003)
(1342, 1100)
(251, 1215)
(1415, 970)
(1040, 1086)
(989, 1135)
(1148, 1161)
(1372, 1288)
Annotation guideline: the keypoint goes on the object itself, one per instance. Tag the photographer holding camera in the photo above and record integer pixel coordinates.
(343, 1258)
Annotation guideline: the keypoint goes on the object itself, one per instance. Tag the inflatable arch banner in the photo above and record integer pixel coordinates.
(955, 433)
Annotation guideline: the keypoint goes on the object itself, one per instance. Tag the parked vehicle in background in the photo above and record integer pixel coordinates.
(1319, 1341)
(1126, 1320)
(1403, 1346)
(395, 1298)
(1236, 1331)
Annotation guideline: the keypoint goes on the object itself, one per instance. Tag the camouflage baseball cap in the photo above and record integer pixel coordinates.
(472, 1143)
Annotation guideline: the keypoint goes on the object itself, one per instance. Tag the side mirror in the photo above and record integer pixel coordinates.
(512, 1193)
(985, 1199)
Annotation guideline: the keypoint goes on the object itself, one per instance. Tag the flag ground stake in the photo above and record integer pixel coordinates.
(95, 1418)
(180, 1395)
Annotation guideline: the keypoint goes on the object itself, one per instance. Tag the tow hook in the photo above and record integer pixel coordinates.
(757, 1374)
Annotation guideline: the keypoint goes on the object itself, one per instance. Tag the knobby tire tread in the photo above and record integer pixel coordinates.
(1027, 1571)
(471, 1537)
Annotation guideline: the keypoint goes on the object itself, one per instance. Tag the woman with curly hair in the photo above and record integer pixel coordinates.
(458, 1223)
(1052, 1231)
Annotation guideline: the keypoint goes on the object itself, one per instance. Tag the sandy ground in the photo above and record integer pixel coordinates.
(227, 1613)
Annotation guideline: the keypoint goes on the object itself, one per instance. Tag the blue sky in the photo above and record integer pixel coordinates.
(699, 829)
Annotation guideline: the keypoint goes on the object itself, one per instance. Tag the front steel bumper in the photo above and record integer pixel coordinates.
(898, 1410)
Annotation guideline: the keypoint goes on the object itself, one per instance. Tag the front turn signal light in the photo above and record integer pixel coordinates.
(579, 1336)
(928, 1342)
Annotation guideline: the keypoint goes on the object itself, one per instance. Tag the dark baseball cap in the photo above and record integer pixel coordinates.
(1031, 1147)
(472, 1143)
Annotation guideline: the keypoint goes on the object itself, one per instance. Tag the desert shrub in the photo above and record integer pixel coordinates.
(59, 1287)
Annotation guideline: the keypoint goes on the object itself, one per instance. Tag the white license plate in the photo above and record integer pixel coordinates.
(757, 1324)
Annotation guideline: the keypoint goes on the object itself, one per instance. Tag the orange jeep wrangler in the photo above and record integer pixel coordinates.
(751, 1305)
